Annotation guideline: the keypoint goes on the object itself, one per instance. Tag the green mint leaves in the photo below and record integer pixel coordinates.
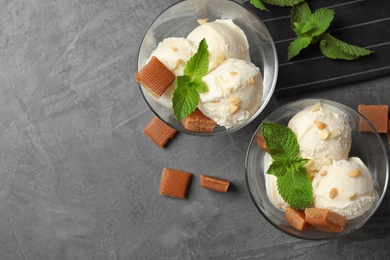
(188, 86)
(294, 184)
(311, 28)
(282, 3)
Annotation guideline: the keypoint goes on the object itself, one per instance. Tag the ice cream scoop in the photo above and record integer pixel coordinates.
(345, 187)
(235, 89)
(225, 40)
(322, 131)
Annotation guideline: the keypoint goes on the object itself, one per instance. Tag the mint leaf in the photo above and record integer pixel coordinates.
(297, 45)
(295, 187)
(293, 181)
(281, 140)
(258, 4)
(198, 65)
(185, 97)
(300, 15)
(334, 48)
(283, 3)
(321, 19)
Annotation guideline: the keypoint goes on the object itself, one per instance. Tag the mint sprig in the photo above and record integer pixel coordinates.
(282, 3)
(293, 181)
(311, 28)
(188, 86)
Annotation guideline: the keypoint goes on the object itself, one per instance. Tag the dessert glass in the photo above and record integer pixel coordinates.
(181, 18)
(366, 145)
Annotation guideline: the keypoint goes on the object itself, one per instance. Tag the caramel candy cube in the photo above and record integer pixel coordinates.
(261, 142)
(198, 122)
(159, 132)
(155, 77)
(296, 218)
(378, 115)
(388, 132)
(325, 219)
(175, 183)
(214, 183)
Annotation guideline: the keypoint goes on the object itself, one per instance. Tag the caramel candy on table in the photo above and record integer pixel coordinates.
(175, 183)
(159, 132)
(325, 219)
(214, 183)
(296, 218)
(198, 122)
(378, 115)
(155, 77)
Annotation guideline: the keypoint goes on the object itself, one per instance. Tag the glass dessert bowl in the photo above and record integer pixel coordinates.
(180, 20)
(367, 145)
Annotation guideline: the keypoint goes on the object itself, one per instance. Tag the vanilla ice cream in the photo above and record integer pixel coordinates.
(225, 40)
(271, 186)
(235, 89)
(174, 53)
(345, 187)
(322, 131)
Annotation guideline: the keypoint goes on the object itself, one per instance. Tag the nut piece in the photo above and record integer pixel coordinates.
(316, 107)
(233, 109)
(233, 73)
(353, 197)
(174, 49)
(202, 21)
(326, 161)
(251, 81)
(320, 125)
(354, 173)
(333, 193)
(334, 133)
(220, 59)
(324, 134)
(234, 100)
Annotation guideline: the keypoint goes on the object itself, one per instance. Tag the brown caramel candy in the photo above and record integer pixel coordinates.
(155, 77)
(296, 218)
(159, 132)
(175, 183)
(261, 142)
(214, 183)
(325, 219)
(378, 115)
(198, 122)
(388, 132)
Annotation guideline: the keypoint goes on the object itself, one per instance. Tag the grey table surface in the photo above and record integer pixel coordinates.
(80, 180)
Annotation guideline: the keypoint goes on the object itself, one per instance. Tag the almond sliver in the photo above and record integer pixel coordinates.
(155, 77)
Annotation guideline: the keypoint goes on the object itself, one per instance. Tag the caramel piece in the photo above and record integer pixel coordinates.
(159, 132)
(261, 142)
(175, 183)
(296, 218)
(325, 219)
(198, 122)
(378, 115)
(388, 132)
(214, 183)
(155, 77)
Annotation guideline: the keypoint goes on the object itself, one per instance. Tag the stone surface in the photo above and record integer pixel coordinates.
(80, 180)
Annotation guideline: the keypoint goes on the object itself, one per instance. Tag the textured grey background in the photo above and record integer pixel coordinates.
(80, 180)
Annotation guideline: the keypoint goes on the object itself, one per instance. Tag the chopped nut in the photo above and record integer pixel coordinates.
(323, 173)
(326, 161)
(233, 109)
(320, 125)
(174, 49)
(251, 81)
(333, 193)
(234, 100)
(220, 59)
(316, 107)
(202, 21)
(354, 173)
(233, 73)
(308, 164)
(353, 197)
(334, 133)
(324, 134)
